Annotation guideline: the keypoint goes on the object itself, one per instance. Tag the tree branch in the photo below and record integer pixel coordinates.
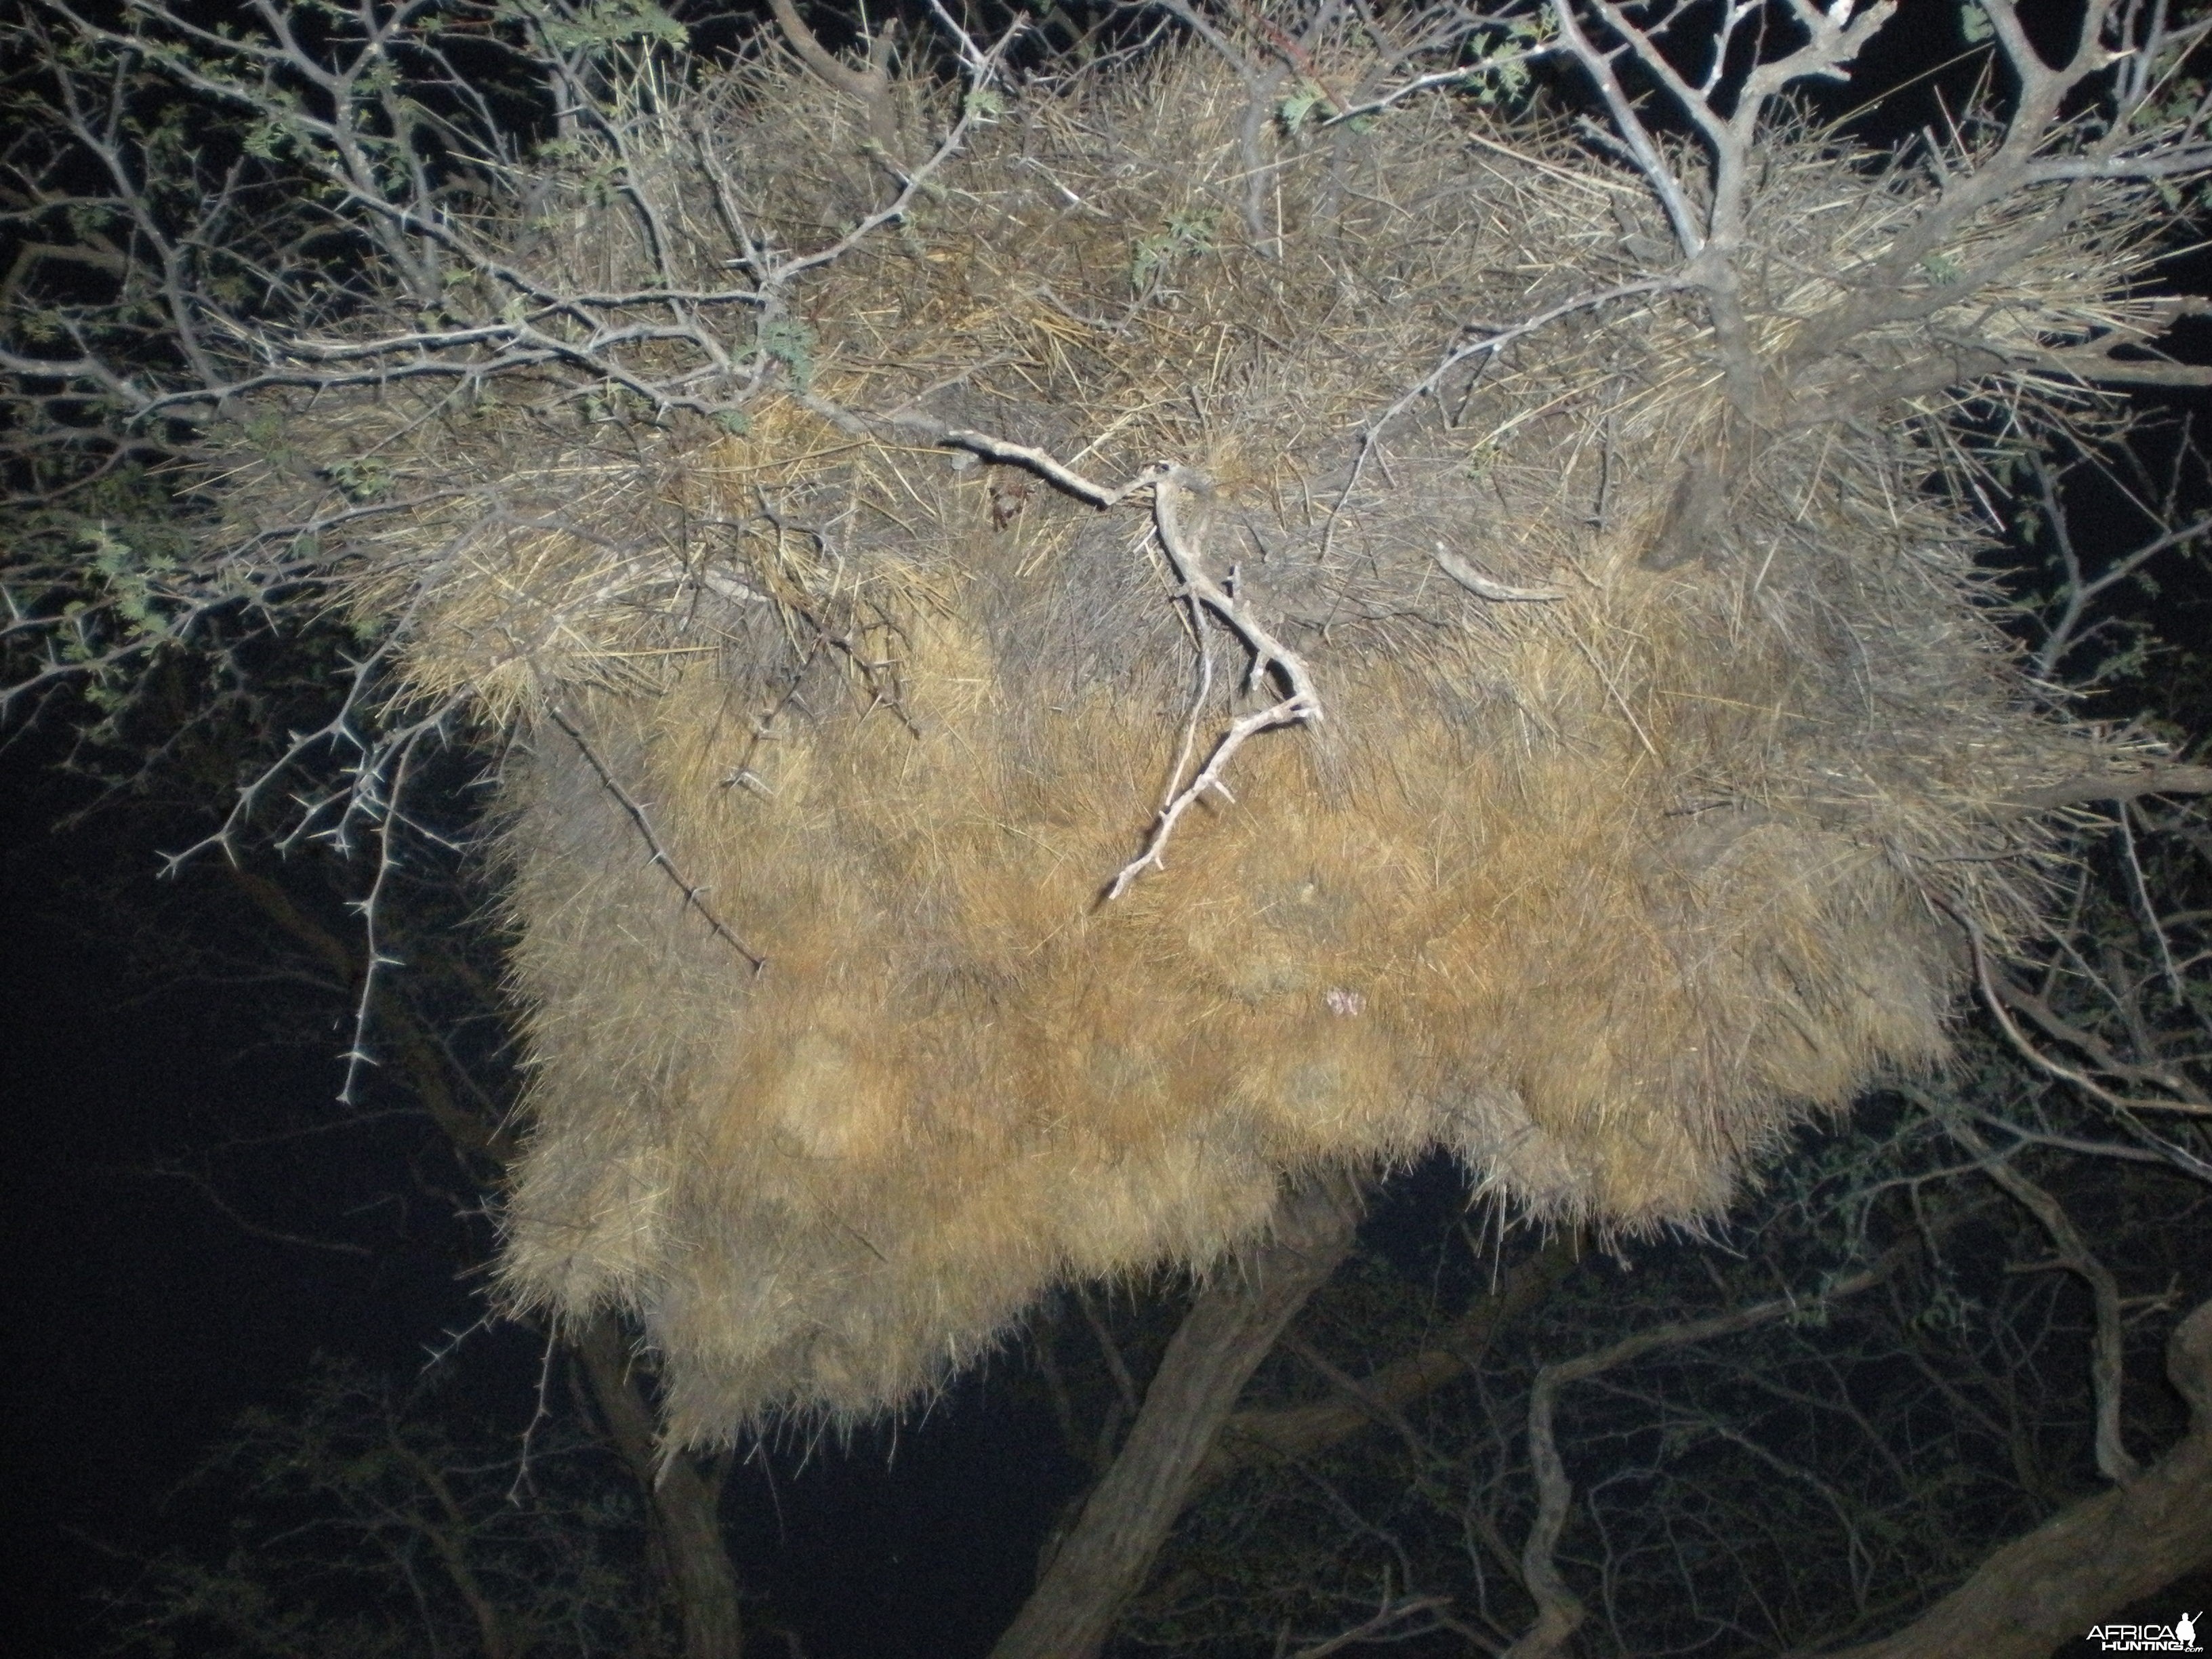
(1560, 1613)
(686, 1503)
(1230, 1328)
(2047, 1587)
(1259, 1433)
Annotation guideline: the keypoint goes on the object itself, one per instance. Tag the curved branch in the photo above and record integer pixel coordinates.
(1559, 1612)
(871, 86)
(2131, 785)
(1303, 1431)
(2048, 1586)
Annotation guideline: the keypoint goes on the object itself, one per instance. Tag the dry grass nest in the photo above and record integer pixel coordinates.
(1603, 891)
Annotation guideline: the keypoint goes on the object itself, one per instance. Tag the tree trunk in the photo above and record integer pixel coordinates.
(2088, 1560)
(1229, 1329)
(686, 1503)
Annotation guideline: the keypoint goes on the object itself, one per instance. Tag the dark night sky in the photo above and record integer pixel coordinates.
(142, 1323)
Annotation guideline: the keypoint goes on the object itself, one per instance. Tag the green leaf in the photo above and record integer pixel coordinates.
(792, 343)
(1302, 102)
(362, 479)
(1190, 230)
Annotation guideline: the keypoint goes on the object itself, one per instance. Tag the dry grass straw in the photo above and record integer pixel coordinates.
(1603, 894)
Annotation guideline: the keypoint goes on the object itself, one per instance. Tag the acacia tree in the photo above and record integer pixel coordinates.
(324, 202)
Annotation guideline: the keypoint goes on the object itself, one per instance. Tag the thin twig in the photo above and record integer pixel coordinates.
(693, 895)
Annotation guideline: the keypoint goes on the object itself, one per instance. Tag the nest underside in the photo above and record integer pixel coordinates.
(1604, 887)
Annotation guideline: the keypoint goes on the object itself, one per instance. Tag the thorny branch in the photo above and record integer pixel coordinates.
(374, 185)
(1488, 341)
(351, 148)
(402, 158)
(2003, 997)
(1174, 489)
(1725, 76)
(693, 896)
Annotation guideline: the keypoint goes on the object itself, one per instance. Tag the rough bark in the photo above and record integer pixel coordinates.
(1230, 1328)
(2052, 1584)
(686, 1504)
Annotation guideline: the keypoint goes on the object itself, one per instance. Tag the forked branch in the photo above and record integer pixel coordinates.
(1178, 496)
(1175, 489)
